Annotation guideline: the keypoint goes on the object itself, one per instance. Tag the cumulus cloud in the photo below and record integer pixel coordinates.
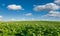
(54, 14)
(52, 8)
(49, 6)
(57, 1)
(28, 14)
(15, 7)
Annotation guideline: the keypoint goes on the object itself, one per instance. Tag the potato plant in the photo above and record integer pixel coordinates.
(30, 28)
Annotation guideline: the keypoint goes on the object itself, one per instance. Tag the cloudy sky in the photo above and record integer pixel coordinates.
(11, 10)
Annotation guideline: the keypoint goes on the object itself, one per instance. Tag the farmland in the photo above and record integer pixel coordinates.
(30, 28)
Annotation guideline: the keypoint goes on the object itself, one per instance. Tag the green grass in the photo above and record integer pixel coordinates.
(30, 28)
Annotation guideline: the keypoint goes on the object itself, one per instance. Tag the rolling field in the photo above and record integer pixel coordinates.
(30, 28)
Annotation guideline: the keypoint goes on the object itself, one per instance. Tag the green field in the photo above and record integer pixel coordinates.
(30, 28)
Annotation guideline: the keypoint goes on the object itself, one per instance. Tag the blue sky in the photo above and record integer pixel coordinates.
(11, 10)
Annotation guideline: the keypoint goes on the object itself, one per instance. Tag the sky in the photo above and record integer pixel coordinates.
(17, 10)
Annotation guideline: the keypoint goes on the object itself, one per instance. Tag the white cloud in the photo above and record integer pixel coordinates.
(13, 19)
(15, 7)
(28, 14)
(1, 18)
(39, 7)
(57, 1)
(32, 19)
(52, 6)
(49, 6)
(54, 14)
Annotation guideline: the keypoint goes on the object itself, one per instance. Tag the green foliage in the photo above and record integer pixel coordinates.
(30, 28)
